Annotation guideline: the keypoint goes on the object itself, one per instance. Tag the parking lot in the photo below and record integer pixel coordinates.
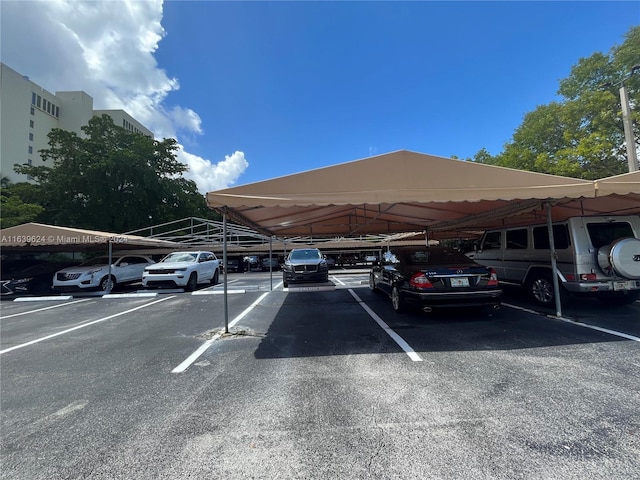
(322, 383)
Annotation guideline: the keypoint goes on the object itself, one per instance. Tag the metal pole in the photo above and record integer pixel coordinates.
(109, 282)
(554, 265)
(271, 263)
(632, 156)
(224, 260)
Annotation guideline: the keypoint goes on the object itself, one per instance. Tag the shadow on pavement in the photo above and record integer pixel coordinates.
(333, 323)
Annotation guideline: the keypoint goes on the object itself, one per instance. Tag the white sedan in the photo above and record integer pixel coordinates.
(183, 269)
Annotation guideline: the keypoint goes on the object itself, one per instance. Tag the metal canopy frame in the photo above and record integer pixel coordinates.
(195, 232)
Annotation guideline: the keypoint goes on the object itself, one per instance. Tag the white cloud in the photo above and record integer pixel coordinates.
(214, 177)
(106, 48)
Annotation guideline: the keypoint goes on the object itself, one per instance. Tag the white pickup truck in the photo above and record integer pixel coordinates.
(183, 269)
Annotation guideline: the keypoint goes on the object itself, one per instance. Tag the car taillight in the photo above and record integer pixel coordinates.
(420, 280)
(493, 278)
(587, 277)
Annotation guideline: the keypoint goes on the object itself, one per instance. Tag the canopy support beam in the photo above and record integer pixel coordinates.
(224, 261)
(554, 264)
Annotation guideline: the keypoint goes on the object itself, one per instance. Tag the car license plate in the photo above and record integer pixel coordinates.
(623, 285)
(460, 282)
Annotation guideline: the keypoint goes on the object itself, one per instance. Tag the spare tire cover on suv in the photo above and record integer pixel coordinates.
(623, 256)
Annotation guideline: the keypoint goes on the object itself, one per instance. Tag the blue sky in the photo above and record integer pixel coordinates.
(256, 90)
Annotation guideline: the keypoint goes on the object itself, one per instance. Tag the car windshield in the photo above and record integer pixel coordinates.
(181, 257)
(99, 261)
(305, 255)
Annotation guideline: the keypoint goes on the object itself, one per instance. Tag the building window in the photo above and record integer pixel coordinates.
(33, 111)
(30, 150)
(38, 101)
(57, 112)
(31, 137)
(33, 98)
(31, 123)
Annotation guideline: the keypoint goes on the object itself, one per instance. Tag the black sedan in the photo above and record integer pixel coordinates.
(33, 280)
(434, 277)
(304, 265)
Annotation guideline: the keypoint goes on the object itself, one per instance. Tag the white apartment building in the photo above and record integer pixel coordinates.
(28, 112)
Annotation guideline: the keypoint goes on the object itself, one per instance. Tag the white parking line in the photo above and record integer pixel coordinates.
(397, 338)
(600, 329)
(44, 308)
(216, 292)
(573, 322)
(82, 326)
(203, 348)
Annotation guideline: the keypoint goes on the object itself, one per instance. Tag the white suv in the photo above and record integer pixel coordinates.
(596, 256)
(183, 269)
(94, 273)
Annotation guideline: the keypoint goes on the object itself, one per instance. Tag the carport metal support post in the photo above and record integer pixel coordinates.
(271, 262)
(110, 250)
(224, 262)
(554, 264)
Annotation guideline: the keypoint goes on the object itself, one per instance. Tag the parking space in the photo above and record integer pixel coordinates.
(304, 376)
(44, 312)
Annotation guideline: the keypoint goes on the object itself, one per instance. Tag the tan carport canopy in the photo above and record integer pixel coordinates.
(40, 237)
(407, 191)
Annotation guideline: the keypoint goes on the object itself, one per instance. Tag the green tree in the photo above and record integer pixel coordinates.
(582, 135)
(17, 203)
(113, 180)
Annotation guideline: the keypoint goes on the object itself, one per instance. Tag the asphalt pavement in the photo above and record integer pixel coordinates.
(318, 384)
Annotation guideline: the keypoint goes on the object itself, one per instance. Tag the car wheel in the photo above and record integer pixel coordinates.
(541, 289)
(396, 300)
(192, 284)
(214, 280)
(285, 284)
(108, 283)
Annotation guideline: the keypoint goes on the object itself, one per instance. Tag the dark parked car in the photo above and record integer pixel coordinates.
(270, 263)
(305, 265)
(34, 280)
(434, 277)
(233, 265)
(251, 263)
